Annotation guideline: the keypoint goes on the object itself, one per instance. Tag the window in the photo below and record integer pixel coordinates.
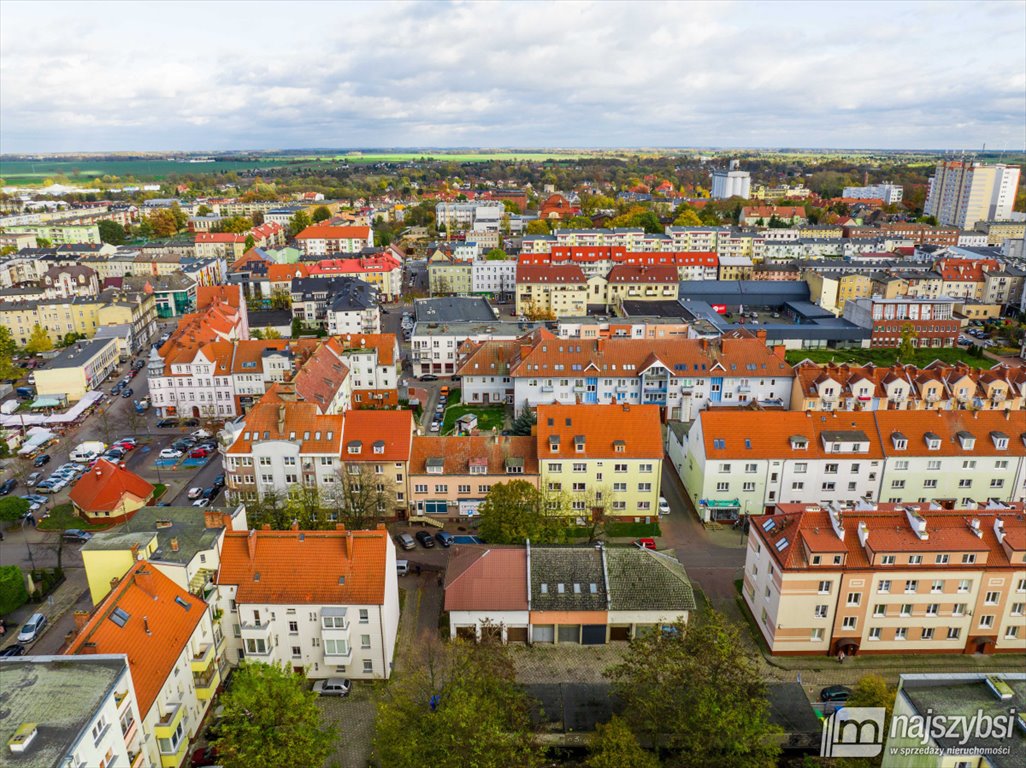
(297, 652)
(801, 467)
(879, 610)
(849, 622)
(364, 616)
(968, 559)
(580, 467)
(645, 467)
(927, 633)
(901, 466)
(941, 559)
(256, 645)
(887, 559)
(821, 611)
(915, 559)
(854, 598)
(964, 585)
(817, 634)
(293, 627)
(931, 483)
(900, 633)
(991, 598)
(911, 585)
(170, 746)
(722, 487)
(965, 482)
(1017, 609)
(365, 641)
(824, 587)
(874, 633)
(619, 467)
(368, 667)
(750, 469)
(748, 487)
(897, 484)
(986, 622)
(937, 586)
(931, 609)
(906, 609)
(884, 586)
(1011, 632)
(336, 647)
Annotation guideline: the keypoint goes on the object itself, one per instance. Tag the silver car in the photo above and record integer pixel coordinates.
(333, 686)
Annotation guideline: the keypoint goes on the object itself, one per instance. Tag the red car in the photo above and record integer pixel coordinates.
(199, 453)
(645, 543)
(204, 756)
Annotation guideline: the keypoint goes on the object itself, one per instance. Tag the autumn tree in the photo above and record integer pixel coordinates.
(361, 496)
(516, 511)
(694, 692)
(39, 340)
(614, 745)
(907, 346)
(458, 707)
(687, 218)
(321, 213)
(234, 224)
(269, 718)
(537, 227)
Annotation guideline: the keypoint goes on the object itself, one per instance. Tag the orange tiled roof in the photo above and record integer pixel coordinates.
(280, 273)
(249, 257)
(390, 431)
(161, 619)
(206, 295)
(320, 377)
(306, 567)
(458, 452)
(384, 344)
(567, 273)
(295, 422)
(767, 434)
(102, 488)
(486, 577)
(916, 425)
(382, 262)
(965, 270)
(332, 232)
(889, 531)
(768, 211)
(604, 428)
(643, 273)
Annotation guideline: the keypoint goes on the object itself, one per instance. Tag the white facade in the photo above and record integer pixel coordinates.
(732, 182)
(889, 193)
(462, 216)
(353, 321)
(493, 276)
(435, 350)
(963, 193)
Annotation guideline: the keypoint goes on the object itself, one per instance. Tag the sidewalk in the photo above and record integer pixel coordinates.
(58, 603)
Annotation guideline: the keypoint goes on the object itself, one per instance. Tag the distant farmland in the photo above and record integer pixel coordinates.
(86, 169)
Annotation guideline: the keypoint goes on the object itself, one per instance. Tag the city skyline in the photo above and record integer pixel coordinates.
(439, 75)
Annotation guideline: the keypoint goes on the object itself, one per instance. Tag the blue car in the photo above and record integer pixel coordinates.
(445, 539)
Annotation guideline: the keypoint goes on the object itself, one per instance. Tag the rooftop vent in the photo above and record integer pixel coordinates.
(22, 738)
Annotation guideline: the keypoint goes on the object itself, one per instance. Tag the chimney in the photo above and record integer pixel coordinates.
(347, 544)
(212, 518)
(281, 419)
(340, 526)
(144, 580)
(251, 544)
(146, 625)
(779, 350)
(294, 526)
(174, 544)
(226, 520)
(82, 618)
(135, 553)
(114, 582)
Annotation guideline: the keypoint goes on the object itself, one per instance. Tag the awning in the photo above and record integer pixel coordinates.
(46, 402)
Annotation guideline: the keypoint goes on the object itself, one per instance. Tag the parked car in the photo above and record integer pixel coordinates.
(201, 434)
(201, 502)
(127, 442)
(402, 567)
(204, 756)
(190, 423)
(35, 498)
(184, 444)
(219, 481)
(170, 453)
(195, 493)
(445, 538)
(664, 506)
(645, 543)
(41, 460)
(333, 686)
(425, 539)
(116, 389)
(46, 486)
(167, 423)
(405, 541)
(200, 452)
(435, 426)
(7, 486)
(837, 694)
(77, 535)
(127, 392)
(114, 454)
(210, 493)
(33, 479)
(32, 629)
(429, 377)
(12, 650)
(138, 365)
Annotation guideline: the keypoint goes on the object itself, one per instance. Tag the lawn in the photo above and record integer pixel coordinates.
(885, 357)
(62, 517)
(488, 416)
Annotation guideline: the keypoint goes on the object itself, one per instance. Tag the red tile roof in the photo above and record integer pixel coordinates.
(767, 434)
(103, 488)
(306, 567)
(207, 295)
(290, 421)
(220, 237)
(391, 430)
(569, 273)
(457, 452)
(486, 578)
(162, 618)
(331, 232)
(279, 273)
(624, 273)
(379, 263)
(604, 428)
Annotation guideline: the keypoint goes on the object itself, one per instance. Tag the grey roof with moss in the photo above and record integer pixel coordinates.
(643, 580)
(61, 695)
(186, 524)
(567, 579)
(967, 695)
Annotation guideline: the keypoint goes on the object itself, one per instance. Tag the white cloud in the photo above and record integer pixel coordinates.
(96, 76)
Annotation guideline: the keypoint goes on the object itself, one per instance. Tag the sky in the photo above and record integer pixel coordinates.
(92, 77)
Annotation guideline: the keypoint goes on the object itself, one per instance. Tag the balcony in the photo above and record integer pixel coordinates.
(165, 727)
(256, 629)
(206, 684)
(120, 697)
(129, 732)
(201, 660)
(175, 759)
(135, 759)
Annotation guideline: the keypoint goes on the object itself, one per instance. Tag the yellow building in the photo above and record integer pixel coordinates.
(551, 291)
(832, 290)
(82, 315)
(828, 231)
(999, 231)
(601, 460)
(67, 234)
(79, 368)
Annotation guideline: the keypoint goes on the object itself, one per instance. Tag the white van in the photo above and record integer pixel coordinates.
(402, 567)
(86, 452)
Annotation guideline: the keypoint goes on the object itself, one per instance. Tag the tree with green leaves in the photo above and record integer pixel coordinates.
(112, 232)
(12, 508)
(8, 346)
(695, 693)
(524, 421)
(496, 254)
(321, 213)
(614, 745)
(204, 210)
(250, 242)
(269, 719)
(687, 218)
(516, 511)
(537, 227)
(298, 223)
(271, 333)
(907, 346)
(13, 592)
(459, 707)
(42, 242)
(39, 340)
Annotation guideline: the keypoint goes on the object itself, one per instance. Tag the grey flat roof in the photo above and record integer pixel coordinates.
(755, 292)
(476, 328)
(450, 309)
(77, 354)
(166, 523)
(61, 695)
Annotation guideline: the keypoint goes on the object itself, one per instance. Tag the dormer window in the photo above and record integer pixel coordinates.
(899, 441)
(355, 446)
(554, 444)
(933, 442)
(1000, 440)
(967, 440)
(619, 446)
(379, 446)
(799, 443)
(435, 465)
(579, 443)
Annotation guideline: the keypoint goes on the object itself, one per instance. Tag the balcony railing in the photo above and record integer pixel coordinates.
(201, 660)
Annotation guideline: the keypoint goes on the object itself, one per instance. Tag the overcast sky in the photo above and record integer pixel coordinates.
(260, 75)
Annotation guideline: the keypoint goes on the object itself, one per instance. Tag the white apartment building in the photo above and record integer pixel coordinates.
(890, 193)
(325, 603)
(493, 277)
(964, 192)
(464, 215)
(79, 711)
(435, 346)
(744, 463)
(681, 376)
(731, 182)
